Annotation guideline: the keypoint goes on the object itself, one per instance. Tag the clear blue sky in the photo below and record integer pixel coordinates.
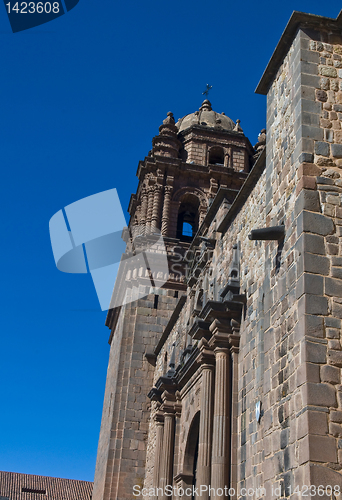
(82, 98)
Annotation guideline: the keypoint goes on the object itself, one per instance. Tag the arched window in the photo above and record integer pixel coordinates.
(216, 156)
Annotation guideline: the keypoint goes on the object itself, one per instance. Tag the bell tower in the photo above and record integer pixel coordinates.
(189, 162)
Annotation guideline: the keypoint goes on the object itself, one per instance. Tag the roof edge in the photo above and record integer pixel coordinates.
(296, 20)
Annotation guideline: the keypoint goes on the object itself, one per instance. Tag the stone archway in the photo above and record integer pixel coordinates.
(191, 450)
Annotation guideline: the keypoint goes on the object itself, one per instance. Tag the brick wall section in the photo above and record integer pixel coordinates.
(238, 159)
(196, 152)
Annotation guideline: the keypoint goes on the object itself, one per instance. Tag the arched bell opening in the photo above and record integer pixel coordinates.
(188, 217)
(216, 156)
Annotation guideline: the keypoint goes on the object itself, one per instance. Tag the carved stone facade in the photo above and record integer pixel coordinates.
(231, 377)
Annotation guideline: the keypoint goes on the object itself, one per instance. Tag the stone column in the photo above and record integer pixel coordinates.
(159, 419)
(166, 210)
(234, 341)
(156, 207)
(226, 158)
(206, 155)
(234, 429)
(220, 460)
(230, 159)
(205, 426)
(166, 464)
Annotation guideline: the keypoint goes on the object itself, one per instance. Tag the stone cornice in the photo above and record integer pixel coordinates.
(199, 130)
(206, 357)
(228, 309)
(200, 329)
(224, 336)
(187, 370)
(159, 417)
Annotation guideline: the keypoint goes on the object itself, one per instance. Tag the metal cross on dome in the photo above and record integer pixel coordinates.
(206, 92)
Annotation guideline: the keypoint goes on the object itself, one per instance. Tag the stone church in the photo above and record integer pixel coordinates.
(226, 380)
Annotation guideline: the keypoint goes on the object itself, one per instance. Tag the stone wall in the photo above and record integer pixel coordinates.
(107, 414)
(290, 352)
(122, 446)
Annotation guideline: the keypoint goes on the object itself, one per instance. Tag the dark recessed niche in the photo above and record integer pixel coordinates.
(32, 490)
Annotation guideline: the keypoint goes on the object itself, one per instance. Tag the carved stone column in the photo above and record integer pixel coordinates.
(221, 423)
(166, 464)
(156, 207)
(144, 202)
(202, 213)
(166, 210)
(235, 338)
(149, 208)
(159, 419)
(137, 215)
(221, 450)
(207, 359)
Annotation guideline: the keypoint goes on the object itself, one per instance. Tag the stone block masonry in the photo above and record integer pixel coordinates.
(121, 458)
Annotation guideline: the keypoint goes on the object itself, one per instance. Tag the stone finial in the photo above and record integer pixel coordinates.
(166, 143)
(169, 119)
(237, 127)
(206, 105)
(261, 141)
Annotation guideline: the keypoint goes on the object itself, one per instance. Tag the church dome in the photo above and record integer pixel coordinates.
(206, 117)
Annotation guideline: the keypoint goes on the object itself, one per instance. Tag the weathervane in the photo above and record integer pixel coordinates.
(206, 92)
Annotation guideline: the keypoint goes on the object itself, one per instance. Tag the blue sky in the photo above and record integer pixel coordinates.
(82, 98)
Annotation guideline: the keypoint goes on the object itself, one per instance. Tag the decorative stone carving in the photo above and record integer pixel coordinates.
(166, 210)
